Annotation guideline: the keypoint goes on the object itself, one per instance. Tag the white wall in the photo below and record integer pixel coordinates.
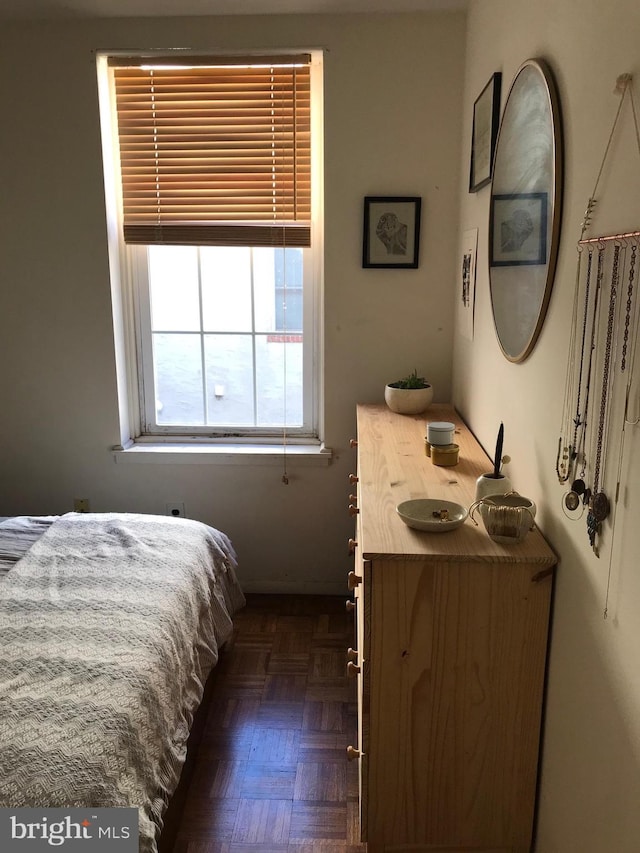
(590, 785)
(393, 90)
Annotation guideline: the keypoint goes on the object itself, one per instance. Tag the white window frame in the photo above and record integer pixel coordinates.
(132, 325)
(146, 381)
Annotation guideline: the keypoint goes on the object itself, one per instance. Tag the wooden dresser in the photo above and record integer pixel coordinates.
(451, 651)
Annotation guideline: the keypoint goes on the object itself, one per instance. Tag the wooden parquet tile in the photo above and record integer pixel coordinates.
(271, 773)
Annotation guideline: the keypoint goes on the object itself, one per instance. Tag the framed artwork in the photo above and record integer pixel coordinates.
(486, 119)
(467, 282)
(518, 229)
(391, 232)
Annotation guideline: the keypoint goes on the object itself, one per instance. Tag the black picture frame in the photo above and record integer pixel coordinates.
(484, 133)
(391, 234)
(518, 229)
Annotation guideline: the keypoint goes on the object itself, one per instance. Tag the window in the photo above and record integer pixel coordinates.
(217, 341)
(212, 171)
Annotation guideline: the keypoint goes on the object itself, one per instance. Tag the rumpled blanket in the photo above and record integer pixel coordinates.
(17, 535)
(109, 626)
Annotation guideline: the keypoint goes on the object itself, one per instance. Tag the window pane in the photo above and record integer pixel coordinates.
(288, 267)
(289, 273)
(239, 392)
(278, 361)
(289, 311)
(178, 377)
(226, 288)
(264, 284)
(278, 289)
(229, 371)
(173, 284)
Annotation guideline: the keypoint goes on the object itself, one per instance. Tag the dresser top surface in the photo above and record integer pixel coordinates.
(393, 467)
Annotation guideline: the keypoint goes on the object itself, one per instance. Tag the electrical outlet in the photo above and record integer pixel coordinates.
(81, 504)
(176, 509)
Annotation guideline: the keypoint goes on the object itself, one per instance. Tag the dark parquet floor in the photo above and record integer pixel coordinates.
(271, 773)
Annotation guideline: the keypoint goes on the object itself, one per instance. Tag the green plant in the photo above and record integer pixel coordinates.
(411, 381)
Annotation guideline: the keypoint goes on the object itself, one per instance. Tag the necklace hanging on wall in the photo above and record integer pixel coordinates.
(565, 449)
(574, 453)
(599, 502)
(627, 315)
(571, 453)
(632, 315)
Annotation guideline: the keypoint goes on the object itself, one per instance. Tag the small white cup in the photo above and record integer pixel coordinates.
(487, 484)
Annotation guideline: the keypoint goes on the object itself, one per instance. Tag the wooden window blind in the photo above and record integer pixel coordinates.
(215, 151)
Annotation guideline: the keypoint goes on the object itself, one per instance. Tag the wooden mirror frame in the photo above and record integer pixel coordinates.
(526, 209)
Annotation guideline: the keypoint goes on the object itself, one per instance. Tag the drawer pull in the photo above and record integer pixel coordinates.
(353, 442)
(352, 547)
(353, 499)
(353, 509)
(352, 654)
(352, 669)
(353, 479)
(353, 580)
(352, 753)
(350, 606)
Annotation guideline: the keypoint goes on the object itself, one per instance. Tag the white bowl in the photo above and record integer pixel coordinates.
(432, 515)
(408, 401)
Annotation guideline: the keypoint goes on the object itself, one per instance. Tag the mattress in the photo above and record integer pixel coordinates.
(109, 626)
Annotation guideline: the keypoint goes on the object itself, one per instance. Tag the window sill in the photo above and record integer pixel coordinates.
(304, 455)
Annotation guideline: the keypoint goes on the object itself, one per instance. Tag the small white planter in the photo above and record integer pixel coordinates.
(408, 401)
(487, 484)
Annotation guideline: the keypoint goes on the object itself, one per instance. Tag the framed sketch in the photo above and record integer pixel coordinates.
(486, 119)
(391, 232)
(467, 282)
(518, 229)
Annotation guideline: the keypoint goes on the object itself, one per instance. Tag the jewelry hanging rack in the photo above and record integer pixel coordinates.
(630, 235)
(584, 372)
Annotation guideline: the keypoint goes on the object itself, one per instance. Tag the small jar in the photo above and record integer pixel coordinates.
(444, 454)
(440, 432)
(427, 447)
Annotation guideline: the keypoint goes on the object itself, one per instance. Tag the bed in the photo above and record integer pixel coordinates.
(109, 626)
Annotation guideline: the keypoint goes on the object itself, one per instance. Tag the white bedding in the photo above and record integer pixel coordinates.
(109, 625)
(17, 535)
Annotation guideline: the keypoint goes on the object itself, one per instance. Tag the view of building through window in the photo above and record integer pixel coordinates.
(226, 329)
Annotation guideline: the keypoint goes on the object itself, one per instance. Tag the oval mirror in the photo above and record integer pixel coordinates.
(524, 218)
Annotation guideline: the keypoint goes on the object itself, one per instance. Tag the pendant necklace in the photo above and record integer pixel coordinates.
(599, 503)
(579, 493)
(580, 420)
(566, 450)
(578, 487)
